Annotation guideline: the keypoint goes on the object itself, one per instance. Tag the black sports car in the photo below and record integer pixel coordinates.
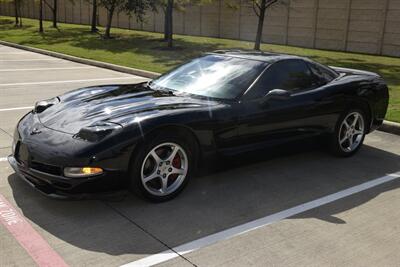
(149, 136)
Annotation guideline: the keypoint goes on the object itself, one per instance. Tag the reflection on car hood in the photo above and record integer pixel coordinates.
(86, 106)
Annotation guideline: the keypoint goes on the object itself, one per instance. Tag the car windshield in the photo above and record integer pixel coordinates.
(214, 76)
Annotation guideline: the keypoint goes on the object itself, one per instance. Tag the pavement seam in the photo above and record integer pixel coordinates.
(6, 134)
(147, 232)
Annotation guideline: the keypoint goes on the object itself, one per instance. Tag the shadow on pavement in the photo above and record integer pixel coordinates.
(230, 192)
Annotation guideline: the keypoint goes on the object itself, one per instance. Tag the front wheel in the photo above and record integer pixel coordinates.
(349, 134)
(162, 168)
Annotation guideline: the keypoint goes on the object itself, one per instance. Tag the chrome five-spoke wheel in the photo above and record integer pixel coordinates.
(164, 169)
(351, 132)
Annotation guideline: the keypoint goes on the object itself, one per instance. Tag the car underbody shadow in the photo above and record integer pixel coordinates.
(227, 192)
(223, 163)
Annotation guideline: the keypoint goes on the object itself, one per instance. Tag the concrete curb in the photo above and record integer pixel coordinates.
(138, 72)
(390, 127)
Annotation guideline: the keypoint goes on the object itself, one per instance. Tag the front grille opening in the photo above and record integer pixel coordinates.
(62, 185)
(55, 170)
(45, 188)
(33, 180)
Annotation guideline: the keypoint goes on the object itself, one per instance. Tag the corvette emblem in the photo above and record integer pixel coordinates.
(35, 131)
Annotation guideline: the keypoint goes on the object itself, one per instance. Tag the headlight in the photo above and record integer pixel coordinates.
(44, 104)
(78, 172)
(97, 131)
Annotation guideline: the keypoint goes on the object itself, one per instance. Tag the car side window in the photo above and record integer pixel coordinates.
(322, 74)
(291, 75)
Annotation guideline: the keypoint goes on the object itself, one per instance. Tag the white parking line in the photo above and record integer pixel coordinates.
(69, 81)
(3, 159)
(250, 226)
(30, 59)
(11, 109)
(41, 69)
(14, 53)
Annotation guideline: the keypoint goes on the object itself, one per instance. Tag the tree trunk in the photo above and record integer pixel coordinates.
(94, 17)
(166, 22)
(20, 13)
(260, 25)
(16, 12)
(98, 20)
(170, 9)
(55, 14)
(41, 16)
(109, 21)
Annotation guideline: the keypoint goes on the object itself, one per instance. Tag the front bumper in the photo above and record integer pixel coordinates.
(40, 154)
(60, 187)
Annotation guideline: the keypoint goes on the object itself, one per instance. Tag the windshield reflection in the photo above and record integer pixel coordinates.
(212, 76)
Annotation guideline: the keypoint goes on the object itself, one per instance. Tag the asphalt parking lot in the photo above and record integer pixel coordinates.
(294, 205)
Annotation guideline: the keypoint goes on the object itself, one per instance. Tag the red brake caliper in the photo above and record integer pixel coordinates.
(176, 163)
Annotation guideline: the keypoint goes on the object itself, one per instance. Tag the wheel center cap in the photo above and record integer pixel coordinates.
(164, 168)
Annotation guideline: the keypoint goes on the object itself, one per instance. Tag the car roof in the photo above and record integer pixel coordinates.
(256, 55)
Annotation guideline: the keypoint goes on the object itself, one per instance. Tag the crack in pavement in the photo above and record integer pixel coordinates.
(4, 131)
(148, 233)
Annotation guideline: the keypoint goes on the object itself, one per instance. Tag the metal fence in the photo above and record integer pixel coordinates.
(366, 26)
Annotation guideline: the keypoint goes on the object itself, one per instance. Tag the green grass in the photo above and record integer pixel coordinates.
(144, 50)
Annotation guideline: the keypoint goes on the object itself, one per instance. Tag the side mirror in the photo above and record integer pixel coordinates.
(279, 94)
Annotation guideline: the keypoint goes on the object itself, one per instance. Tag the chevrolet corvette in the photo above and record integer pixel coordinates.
(149, 136)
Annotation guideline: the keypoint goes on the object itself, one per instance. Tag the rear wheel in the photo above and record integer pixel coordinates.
(349, 133)
(163, 167)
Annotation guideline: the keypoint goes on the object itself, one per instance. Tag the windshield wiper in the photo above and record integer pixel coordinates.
(168, 92)
(148, 85)
(165, 91)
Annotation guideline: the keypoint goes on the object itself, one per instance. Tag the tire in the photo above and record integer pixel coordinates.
(168, 175)
(349, 134)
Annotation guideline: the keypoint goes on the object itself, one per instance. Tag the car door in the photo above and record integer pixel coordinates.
(267, 118)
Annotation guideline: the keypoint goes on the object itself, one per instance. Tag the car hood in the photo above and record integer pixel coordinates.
(88, 106)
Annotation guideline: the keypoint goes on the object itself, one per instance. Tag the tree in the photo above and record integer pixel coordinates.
(93, 27)
(94, 20)
(137, 7)
(163, 4)
(17, 11)
(111, 6)
(54, 10)
(168, 7)
(168, 28)
(41, 16)
(260, 7)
